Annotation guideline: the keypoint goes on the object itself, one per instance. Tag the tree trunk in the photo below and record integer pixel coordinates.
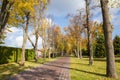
(53, 47)
(107, 28)
(53, 54)
(4, 15)
(23, 47)
(45, 53)
(62, 53)
(77, 48)
(25, 37)
(44, 46)
(75, 52)
(49, 53)
(31, 42)
(90, 47)
(80, 50)
(36, 48)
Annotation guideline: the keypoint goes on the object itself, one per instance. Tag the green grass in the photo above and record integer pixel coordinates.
(80, 70)
(7, 70)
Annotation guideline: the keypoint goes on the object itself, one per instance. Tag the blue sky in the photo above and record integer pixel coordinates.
(59, 9)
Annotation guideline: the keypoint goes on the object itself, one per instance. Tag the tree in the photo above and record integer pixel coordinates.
(61, 45)
(75, 30)
(56, 39)
(90, 47)
(99, 47)
(21, 14)
(43, 34)
(49, 37)
(49, 32)
(4, 14)
(25, 36)
(116, 43)
(37, 18)
(107, 28)
(98, 39)
(35, 46)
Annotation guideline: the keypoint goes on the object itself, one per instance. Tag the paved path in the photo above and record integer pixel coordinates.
(56, 70)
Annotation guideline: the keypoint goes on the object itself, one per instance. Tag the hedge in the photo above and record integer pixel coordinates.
(10, 54)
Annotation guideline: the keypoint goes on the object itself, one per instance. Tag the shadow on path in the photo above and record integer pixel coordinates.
(51, 71)
(77, 69)
(46, 72)
(7, 70)
(37, 74)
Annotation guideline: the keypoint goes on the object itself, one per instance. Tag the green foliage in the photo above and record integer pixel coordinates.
(100, 48)
(116, 43)
(85, 52)
(9, 54)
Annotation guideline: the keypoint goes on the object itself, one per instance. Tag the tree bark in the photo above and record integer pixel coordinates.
(36, 48)
(62, 53)
(31, 42)
(48, 43)
(90, 47)
(4, 15)
(77, 49)
(80, 50)
(107, 28)
(49, 53)
(44, 46)
(23, 47)
(25, 37)
(75, 52)
(78, 55)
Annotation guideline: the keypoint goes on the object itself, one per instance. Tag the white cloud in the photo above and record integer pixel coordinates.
(10, 37)
(19, 41)
(15, 38)
(63, 7)
(15, 29)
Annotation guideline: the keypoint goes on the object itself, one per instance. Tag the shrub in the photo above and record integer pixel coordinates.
(10, 54)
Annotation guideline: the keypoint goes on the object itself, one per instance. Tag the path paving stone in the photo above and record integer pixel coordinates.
(55, 70)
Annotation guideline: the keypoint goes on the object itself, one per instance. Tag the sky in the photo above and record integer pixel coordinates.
(59, 9)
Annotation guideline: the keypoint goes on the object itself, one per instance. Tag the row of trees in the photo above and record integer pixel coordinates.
(20, 13)
(107, 29)
(78, 25)
(30, 15)
(81, 31)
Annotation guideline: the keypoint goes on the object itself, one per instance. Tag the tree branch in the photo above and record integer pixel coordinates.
(31, 42)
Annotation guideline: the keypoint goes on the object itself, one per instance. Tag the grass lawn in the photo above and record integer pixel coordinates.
(80, 70)
(7, 70)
